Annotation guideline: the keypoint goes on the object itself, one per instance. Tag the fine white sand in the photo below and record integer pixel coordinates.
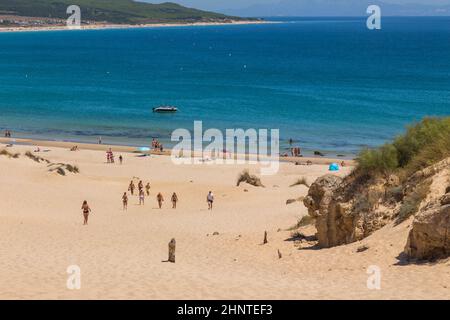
(120, 253)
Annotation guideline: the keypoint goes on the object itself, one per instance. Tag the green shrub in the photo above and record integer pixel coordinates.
(395, 193)
(382, 160)
(423, 144)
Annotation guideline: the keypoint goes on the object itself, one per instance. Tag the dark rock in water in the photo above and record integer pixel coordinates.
(318, 153)
(341, 155)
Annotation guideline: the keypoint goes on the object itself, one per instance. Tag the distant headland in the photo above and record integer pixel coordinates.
(53, 14)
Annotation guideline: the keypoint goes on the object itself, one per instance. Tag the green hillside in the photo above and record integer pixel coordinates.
(112, 11)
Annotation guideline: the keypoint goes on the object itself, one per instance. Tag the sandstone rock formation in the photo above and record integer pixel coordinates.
(430, 235)
(349, 209)
(344, 211)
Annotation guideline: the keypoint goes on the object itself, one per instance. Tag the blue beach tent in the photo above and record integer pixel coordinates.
(334, 167)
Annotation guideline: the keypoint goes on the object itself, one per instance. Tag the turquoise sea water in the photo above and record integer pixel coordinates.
(329, 84)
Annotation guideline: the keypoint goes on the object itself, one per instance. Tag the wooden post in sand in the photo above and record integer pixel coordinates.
(172, 245)
(265, 237)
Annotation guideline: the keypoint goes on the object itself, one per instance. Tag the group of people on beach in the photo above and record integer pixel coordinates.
(159, 198)
(156, 145)
(109, 156)
(142, 194)
(7, 134)
(296, 152)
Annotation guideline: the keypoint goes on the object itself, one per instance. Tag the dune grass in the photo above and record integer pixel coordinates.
(35, 158)
(246, 177)
(8, 154)
(423, 144)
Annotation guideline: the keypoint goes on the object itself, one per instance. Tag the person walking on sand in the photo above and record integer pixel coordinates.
(174, 200)
(210, 200)
(160, 199)
(125, 201)
(140, 186)
(141, 197)
(120, 159)
(131, 187)
(86, 210)
(147, 188)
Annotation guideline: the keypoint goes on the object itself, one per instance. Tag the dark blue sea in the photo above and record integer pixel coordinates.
(329, 84)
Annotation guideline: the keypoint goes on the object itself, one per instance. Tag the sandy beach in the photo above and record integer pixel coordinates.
(121, 253)
(128, 26)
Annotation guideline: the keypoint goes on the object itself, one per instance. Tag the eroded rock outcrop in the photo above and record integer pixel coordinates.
(430, 234)
(350, 209)
(344, 211)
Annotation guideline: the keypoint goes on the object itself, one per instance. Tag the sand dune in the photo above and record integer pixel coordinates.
(120, 253)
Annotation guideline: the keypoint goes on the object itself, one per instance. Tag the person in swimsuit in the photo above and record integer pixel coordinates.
(160, 199)
(120, 159)
(210, 200)
(131, 187)
(86, 210)
(147, 188)
(140, 186)
(125, 201)
(174, 200)
(141, 197)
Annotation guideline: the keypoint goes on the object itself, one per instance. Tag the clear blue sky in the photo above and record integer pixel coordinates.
(311, 7)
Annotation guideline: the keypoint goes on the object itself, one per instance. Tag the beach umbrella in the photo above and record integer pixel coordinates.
(334, 167)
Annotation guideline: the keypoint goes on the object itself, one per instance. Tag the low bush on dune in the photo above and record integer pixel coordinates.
(61, 168)
(423, 144)
(71, 168)
(8, 154)
(253, 180)
(35, 158)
